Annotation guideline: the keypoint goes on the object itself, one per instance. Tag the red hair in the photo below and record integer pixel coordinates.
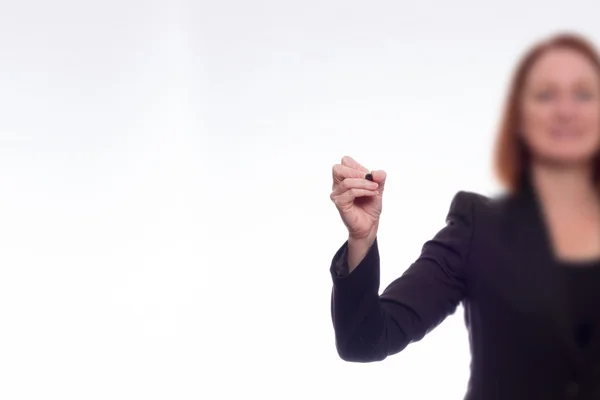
(511, 155)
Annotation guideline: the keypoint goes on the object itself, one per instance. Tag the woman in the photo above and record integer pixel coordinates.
(525, 265)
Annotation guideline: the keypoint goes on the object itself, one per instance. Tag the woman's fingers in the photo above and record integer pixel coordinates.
(341, 172)
(347, 197)
(345, 192)
(351, 175)
(352, 163)
(354, 183)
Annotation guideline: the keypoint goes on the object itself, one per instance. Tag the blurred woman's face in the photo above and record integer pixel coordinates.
(561, 109)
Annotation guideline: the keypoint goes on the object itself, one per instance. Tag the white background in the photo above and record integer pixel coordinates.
(165, 223)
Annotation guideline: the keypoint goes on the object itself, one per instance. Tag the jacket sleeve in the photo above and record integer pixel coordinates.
(368, 326)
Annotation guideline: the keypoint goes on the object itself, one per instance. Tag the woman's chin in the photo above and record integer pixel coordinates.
(571, 156)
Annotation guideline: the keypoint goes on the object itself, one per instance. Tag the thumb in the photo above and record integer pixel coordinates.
(379, 177)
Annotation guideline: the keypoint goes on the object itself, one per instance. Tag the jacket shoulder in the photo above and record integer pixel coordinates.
(476, 206)
(471, 202)
(465, 198)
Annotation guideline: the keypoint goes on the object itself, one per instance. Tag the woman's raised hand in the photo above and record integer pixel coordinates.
(358, 200)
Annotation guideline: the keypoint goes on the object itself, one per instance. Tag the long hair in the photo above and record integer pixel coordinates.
(512, 158)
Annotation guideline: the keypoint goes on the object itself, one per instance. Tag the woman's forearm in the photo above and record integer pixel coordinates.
(357, 250)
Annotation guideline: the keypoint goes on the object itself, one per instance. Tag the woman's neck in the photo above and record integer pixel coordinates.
(564, 187)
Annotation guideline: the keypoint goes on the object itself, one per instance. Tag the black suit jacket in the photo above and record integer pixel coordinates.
(495, 257)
